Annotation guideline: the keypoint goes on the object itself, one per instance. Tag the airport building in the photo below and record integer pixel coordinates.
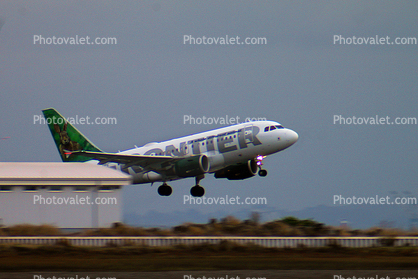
(66, 195)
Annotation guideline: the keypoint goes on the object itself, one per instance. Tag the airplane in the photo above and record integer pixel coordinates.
(234, 152)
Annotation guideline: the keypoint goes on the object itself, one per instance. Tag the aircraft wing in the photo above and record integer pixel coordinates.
(147, 162)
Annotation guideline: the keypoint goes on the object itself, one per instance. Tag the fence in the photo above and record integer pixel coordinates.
(159, 241)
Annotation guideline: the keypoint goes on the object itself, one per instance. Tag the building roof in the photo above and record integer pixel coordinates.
(60, 174)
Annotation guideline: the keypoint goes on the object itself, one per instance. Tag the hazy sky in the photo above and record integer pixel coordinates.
(149, 80)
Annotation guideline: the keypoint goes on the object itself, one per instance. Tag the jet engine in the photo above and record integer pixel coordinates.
(192, 166)
(238, 172)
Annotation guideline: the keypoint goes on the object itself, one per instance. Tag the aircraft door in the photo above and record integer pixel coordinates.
(188, 149)
(248, 132)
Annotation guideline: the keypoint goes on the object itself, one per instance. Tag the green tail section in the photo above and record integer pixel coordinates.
(67, 138)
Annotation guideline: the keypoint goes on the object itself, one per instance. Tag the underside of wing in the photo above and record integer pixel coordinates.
(128, 160)
(171, 166)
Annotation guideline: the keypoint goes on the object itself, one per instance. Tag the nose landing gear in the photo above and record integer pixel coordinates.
(259, 160)
(262, 172)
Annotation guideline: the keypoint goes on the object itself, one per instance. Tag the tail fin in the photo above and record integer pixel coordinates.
(67, 138)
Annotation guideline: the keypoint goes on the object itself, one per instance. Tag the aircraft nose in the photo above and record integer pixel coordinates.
(291, 137)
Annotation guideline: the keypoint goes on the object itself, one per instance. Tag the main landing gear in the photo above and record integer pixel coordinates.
(197, 190)
(165, 190)
(259, 160)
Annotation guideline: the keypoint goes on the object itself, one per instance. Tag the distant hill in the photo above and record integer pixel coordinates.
(356, 216)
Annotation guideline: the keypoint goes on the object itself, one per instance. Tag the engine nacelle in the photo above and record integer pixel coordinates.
(239, 172)
(148, 177)
(192, 166)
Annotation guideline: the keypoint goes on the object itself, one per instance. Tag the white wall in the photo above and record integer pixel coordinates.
(18, 207)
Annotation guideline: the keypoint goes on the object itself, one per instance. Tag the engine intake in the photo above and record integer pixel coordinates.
(238, 172)
(192, 166)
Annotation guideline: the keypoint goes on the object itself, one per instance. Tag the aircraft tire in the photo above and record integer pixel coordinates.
(197, 191)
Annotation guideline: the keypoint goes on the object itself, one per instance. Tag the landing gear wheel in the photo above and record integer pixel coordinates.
(262, 173)
(165, 190)
(197, 191)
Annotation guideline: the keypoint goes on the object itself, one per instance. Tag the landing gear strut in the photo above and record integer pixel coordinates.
(165, 190)
(261, 172)
(197, 190)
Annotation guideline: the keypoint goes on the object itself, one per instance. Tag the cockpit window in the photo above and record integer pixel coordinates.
(271, 128)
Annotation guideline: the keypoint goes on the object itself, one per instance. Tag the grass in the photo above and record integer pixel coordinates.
(226, 256)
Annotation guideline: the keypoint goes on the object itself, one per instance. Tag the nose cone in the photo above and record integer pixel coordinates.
(291, 137)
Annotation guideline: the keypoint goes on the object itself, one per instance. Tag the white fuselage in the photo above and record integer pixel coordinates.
(224, 147)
